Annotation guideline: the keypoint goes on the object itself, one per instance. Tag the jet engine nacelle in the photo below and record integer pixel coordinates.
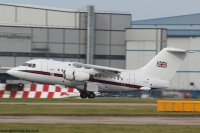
(76, 75)
(68, 75)
(81, 76)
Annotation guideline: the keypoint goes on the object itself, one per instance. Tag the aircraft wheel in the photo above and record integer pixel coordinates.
(84, 95)
(91, 95)
(20, 85)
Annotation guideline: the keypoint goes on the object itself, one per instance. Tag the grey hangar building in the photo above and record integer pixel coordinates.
(94, 37)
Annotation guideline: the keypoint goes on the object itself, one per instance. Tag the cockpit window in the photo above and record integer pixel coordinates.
(25, 64)
(30, 65)
(34, 65)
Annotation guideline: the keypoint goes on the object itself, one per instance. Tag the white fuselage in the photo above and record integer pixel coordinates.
(51, 72)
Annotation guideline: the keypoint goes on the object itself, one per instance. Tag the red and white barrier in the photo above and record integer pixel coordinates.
(34, 91)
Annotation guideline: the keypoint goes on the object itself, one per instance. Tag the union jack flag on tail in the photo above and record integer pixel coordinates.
(161, 64)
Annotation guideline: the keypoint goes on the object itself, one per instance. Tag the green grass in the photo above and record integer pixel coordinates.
(95, 100)
(100, 128)
(76, 100)
(61, 110)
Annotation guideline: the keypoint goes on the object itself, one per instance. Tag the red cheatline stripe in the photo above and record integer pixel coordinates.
(25, 94)
(50, 95)
(33, 87)
(36, 72)
(70, 89)
(13, 94)
(1, 94)
(114, 83)
(43, 73)
(45, 88)
(58, 75)
(38, 94)
(132, 86)
(106, 82)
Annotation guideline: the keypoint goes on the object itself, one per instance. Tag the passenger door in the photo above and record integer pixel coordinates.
(132, 79)
(44, 66)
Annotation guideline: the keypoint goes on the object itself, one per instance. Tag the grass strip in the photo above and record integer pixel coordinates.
(99, 128)
(60, 110)
(77, 100)
(95, 100)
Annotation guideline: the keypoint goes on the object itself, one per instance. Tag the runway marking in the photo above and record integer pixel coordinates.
(80, 104)
(174, 120)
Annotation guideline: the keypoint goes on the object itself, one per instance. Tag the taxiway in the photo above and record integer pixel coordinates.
(173, 120)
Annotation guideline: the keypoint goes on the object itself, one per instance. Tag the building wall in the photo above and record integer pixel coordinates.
(63, 43)
(189, 70)
(23, 15)
(184, 33)
(34, 42)
(110, 39)
(141, 52)
(142, 45)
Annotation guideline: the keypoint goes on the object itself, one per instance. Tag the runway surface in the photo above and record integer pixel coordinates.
(174, 120)
(80, 104)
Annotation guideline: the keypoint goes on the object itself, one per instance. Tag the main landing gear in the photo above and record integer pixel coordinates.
(84, 94)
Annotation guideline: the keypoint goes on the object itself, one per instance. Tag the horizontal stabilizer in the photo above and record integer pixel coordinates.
(174, 50)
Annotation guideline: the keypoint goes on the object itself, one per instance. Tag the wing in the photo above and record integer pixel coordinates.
(107, 71)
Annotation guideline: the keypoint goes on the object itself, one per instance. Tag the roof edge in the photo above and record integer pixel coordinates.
(166, 17)
(39, 7)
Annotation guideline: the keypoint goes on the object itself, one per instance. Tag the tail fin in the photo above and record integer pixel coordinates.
(165, 64)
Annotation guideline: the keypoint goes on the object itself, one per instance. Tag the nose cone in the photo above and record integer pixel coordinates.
(11, 72)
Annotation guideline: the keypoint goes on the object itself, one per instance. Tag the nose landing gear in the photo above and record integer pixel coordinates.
(20, 84)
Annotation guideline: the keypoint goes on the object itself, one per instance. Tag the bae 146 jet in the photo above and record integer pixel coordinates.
(88, 79)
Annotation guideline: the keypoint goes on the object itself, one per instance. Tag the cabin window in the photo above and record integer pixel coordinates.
(34, 65)
(58, 69)
(30, 65)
